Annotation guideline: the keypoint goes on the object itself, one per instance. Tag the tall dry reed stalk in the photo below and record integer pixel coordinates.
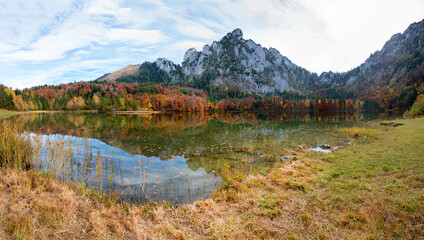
(58, 157)
(15, 148)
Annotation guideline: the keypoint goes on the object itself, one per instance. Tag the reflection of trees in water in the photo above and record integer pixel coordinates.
(171, 122)
(131, 131)
(218, 144)
(189, 134)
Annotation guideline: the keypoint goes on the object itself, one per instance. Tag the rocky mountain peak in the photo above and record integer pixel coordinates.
(236, 34)
(237, 63)
(172, 70)
(245, 65)
(190, 54)
(165, 64)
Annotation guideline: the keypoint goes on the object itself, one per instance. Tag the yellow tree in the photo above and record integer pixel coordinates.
(70, 105)
(31, 105)
(96, 100)
(121, 103)
(20, 104)
(80, 104)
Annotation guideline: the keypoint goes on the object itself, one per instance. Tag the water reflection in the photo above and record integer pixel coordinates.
(136, 178)
(177, 158)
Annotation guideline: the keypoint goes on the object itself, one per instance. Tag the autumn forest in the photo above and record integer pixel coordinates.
(120, 96)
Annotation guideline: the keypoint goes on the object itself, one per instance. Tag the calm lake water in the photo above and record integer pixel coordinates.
(177, 158)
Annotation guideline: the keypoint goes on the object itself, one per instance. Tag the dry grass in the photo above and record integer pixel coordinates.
(369, 191)
(15, 150)
(129, 70)
(360, 132)
(36, 206)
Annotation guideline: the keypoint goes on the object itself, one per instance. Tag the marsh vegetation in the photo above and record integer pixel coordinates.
(371, 188)
(174, 158)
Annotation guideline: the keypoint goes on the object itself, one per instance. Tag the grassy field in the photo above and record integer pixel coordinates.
(372, 189)
(375, 190)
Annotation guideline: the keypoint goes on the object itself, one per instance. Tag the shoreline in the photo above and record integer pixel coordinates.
(370, 189)
(144, 112)
(7, 113)
(141, 112)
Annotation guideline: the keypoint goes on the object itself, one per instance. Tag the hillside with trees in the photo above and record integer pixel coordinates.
(235, 74)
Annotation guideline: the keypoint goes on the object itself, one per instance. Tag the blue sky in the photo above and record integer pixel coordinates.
(51, 42)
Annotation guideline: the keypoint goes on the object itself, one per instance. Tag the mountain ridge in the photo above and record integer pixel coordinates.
(389, 64)
(238, 63)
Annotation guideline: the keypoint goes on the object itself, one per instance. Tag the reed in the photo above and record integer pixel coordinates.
(36, 148)
(111, 172)
(15, 148)
(99, 170)
(57, 156)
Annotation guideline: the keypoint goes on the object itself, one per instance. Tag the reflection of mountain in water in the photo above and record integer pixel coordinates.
(208, 141)
(182, 158)
(135, 177)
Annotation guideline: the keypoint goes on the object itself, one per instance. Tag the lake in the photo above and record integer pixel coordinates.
(175, 158)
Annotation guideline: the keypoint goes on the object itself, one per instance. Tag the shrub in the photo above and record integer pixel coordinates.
(15, 149)
(417, 108)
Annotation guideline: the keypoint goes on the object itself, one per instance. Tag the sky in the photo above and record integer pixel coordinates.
(53, 42)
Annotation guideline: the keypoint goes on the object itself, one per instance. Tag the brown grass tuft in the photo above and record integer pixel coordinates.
(15, 149)
(371, 191)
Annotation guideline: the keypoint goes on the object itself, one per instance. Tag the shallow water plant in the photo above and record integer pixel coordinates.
(15, 148)
(355, 132)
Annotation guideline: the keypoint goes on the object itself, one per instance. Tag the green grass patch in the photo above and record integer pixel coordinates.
(6, 112)
(377, 186)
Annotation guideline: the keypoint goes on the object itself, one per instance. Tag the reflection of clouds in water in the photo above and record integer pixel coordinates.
(319, 149)
(223, 146)
(154, 172)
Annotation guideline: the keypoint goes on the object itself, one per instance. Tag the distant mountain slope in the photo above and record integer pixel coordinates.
(162, 71)
(129, 70)
(399, 58)
(236, 63)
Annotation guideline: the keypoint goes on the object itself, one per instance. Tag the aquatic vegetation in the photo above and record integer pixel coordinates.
(356, 132)
(141, 157)
(15, 148)
(364, 190)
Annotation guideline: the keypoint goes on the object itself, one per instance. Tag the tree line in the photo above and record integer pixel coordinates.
(109, 96)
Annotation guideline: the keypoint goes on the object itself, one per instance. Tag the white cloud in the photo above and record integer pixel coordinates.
(55, 46)
(75, 71)
(185, 45)
(138, 37)
(83, 28)
(5, 47)
(323, 35)
(23, 21)
(49, 41)
(196, 31)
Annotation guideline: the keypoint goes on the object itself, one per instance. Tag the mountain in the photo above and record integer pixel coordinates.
(397, 60)
(237, 63)
(231, 62)
(129, 70)
(244, 64)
